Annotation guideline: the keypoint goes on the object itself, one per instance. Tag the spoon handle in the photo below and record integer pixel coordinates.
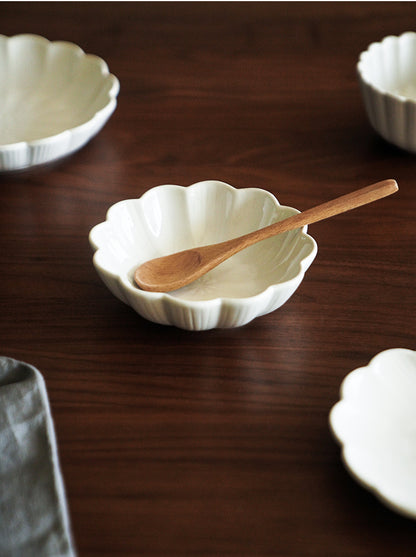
(326, 210)
(350, 201)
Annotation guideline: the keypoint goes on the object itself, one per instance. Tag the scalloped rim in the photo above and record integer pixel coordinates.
(374, 487)
(99, 117)
(123, 281)
(375, 88)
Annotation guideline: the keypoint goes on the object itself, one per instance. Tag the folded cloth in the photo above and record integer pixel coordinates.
(34, 520)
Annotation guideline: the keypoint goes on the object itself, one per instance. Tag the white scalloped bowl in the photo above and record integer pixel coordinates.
(53, 99)
(387, 76)
(375, 424)
(171, 218)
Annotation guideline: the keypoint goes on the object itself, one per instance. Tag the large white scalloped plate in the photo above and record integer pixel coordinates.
(53, 99)
(171, 218)
(375, 424)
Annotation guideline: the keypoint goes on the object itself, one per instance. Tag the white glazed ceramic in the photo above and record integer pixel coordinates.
(387, 75)
(375, 423)
(171, 218)
(53, 99)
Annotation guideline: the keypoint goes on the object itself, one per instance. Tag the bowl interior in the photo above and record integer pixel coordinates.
(47, 87)
(172, 218)
(390, 65)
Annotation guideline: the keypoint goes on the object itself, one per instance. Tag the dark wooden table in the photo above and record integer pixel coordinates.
(216, 443)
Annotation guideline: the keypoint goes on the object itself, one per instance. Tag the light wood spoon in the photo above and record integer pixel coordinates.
(164, 274)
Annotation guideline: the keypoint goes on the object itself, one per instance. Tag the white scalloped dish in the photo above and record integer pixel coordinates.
(171, 218)
(387, 76)
(53, 99)
(375, 424)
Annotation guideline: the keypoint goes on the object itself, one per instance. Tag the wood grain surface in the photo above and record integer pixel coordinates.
(214, 444)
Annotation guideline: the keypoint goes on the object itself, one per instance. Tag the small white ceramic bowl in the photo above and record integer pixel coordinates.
(375, 424)
(171, 218)
(53, 99)
(387, 76)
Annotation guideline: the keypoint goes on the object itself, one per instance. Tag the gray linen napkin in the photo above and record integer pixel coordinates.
(34, 520)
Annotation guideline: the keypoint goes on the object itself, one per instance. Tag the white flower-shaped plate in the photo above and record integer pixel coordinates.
(172, 218)
(375, 424)
(53, 99)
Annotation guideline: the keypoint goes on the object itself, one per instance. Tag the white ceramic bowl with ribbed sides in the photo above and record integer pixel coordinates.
(172, 218)
(53, 99)
(375, 424)
(387, 75)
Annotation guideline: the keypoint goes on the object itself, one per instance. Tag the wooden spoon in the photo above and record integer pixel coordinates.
(164, 274)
